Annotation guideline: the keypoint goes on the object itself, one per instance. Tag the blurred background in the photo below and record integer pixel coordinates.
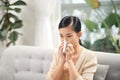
(39, 21)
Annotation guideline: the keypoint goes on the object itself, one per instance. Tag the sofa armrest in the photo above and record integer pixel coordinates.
(3, 74)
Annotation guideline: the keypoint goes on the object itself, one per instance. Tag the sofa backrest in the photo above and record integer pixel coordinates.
(113, 60)
(32, 63)
(27, 62)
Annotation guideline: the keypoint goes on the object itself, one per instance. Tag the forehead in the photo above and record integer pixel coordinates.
(66, 30)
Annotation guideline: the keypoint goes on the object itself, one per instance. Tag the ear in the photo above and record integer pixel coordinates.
(79, 34)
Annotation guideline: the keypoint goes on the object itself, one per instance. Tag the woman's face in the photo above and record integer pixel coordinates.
(68, 34)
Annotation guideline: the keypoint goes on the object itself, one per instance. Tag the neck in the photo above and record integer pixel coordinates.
(78, 49)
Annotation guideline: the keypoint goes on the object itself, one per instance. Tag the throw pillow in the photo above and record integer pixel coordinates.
(101, 72)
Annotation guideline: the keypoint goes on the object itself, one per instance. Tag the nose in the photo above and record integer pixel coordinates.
(63, 39)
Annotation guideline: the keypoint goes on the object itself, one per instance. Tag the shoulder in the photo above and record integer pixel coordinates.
(90, 55)
(90, 61)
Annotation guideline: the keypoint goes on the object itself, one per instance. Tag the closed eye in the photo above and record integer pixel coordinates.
(69, 36)
(61, 36)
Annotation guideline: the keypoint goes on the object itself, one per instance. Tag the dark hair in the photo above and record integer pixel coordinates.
(68, 20)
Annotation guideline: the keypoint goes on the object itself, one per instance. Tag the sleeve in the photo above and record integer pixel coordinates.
(89, 68)
(52, 67)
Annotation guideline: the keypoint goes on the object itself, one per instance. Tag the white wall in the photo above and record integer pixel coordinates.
(35, 16)
(29, 21)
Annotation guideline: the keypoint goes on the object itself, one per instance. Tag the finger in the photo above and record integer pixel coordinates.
(68, 54)
(68, 51)
(71, 48)
(60, 49)
(61, 46)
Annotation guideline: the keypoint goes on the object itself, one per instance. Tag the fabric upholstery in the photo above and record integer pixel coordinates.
(27, 63)
(113, 60)
(32, 63)
(101, 72)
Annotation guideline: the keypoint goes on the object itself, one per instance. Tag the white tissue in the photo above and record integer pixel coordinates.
(64, 45)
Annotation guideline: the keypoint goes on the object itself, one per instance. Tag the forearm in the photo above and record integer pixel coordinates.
(73, 72)
(57, 73)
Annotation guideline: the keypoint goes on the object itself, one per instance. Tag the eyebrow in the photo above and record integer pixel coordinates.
(67, 34)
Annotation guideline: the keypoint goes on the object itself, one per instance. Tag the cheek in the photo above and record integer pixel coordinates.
(73, 41)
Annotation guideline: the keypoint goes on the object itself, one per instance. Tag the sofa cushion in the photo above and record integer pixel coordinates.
(32, 63)
(101, 72)
(26, 63)
(4, 75)
(24, 75)
(113, 60)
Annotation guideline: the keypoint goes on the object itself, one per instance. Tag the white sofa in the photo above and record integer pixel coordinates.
(32, 63)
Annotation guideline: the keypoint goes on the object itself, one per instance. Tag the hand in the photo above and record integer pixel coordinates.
(60, 53)
(69, 52)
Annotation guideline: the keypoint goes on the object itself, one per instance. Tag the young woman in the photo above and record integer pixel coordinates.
(76, 62)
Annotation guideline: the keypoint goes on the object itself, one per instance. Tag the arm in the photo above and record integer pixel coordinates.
(57, 72)
(56, 69)
(89, 68)
(72, 70)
